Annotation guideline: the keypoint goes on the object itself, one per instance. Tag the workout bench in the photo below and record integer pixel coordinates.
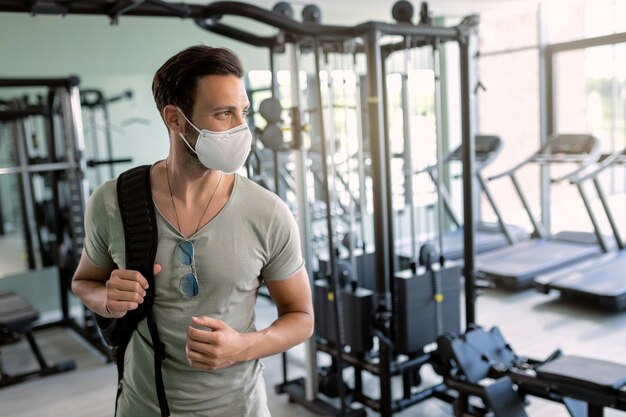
(16, 319)
(482, 364)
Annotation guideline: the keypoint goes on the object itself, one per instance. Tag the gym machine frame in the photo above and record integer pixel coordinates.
(304, 35)
(97, 104)
(73, 166)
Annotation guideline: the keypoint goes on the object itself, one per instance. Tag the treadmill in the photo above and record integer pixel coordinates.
(489, 236)
(601, 281)
(516, 266)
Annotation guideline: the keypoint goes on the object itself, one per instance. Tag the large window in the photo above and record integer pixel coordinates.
(508, 103)
(589, 94)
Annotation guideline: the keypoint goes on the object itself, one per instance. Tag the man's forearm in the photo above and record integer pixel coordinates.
(287, 331)
(92, 294)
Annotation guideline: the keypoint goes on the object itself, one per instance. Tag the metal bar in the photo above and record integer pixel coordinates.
(594, 222)
(409, 196)
(276, 162)
(22, 113)
(274, 90)
(381, 203)
(388, 156)
(439, 162)
(123, 6)
(102, 7)
(467, 50)
(304, 215)
(363, 131)
(347, 183)
(373, 367)
(56, 177)
(218, 9)
(2, 229)
(615, 157)
(539, 230)
(546, 112)
(417, 397)
(445, 196)
(334, 275)
(453, 33)
(70, 81)
(43, 365)
(584, 163)
(108, 137)
(236, 34)
(492, 202)
(55, 166)
(376, 131)
(95, 143)
(26, 196)
(609, 213)
(91, 163)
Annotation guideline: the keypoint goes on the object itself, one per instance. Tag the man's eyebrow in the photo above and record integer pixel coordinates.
(230, 108)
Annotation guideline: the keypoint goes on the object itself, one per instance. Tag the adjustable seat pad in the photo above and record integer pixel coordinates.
(16, 314)
(577, 370)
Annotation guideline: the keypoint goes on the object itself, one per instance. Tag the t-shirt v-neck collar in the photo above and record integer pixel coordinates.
(205, 226)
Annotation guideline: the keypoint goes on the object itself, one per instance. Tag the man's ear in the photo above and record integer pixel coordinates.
(173, 119)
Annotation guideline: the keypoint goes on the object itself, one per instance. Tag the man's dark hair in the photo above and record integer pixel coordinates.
(177, 80)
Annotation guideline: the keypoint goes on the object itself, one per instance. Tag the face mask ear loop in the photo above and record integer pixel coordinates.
(187, 143)
(188, 121)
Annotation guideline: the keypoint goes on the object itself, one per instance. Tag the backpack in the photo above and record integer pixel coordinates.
(141, 237)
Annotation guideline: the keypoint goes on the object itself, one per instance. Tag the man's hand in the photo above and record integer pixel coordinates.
(216, 347)
(125, 290)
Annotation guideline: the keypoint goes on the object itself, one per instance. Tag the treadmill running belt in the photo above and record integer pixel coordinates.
(485, 240)
(603, 281)
(516, 266)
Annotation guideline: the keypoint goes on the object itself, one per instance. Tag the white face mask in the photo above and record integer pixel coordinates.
(223, 151)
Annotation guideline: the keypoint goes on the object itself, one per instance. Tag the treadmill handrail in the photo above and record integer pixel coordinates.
(454, 156)
(613, 158)
(587, 162)
(589, 159)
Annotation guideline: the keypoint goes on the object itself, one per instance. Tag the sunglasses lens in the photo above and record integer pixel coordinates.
(188, 285)
(184, 253)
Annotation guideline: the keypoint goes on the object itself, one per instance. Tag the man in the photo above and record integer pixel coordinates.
(220, 237)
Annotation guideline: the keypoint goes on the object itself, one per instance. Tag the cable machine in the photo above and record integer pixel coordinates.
(49, 161)
(96, 105)
(374, 42)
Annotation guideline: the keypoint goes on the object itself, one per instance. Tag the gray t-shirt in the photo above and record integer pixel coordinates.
(253, 238)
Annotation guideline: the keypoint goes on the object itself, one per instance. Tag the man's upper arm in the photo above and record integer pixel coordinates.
(97, 228)
(292, 294)
(285, 255)
(87, 270)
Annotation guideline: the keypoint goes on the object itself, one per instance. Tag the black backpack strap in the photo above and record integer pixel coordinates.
(159, 355)
(140, 228)
(141, 236)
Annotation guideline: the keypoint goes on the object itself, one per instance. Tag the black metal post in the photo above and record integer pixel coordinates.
(332, 255)
(381, 203)
(469, 159)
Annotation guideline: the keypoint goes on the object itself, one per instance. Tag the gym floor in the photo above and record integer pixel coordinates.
(533, 323)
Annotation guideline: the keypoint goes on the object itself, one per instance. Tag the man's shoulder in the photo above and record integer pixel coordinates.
(106, 190)
(254, 191)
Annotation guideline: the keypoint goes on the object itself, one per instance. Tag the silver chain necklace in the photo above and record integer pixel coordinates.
(169, 186)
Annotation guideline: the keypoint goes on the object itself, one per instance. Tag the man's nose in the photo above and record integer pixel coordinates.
(239, 119)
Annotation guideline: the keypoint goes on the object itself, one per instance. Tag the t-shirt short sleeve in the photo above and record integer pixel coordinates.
(97, 229)
(283, 242)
